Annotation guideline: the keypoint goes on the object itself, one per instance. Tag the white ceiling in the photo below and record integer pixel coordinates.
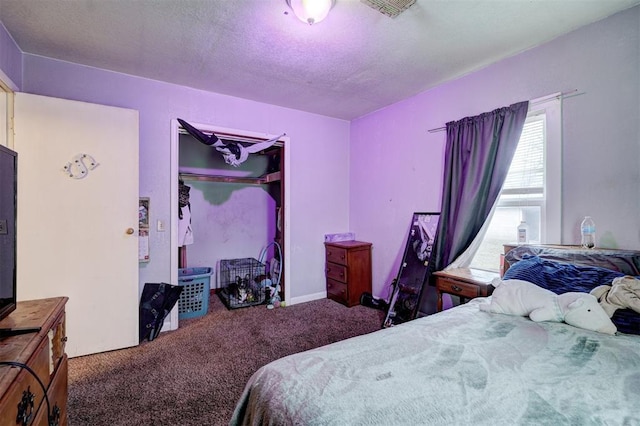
(355, 62)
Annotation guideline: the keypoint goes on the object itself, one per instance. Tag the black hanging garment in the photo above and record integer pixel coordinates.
(156, 302)
(183, 196)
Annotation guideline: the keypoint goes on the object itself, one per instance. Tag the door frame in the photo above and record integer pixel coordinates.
(7, 87)
(174, 175)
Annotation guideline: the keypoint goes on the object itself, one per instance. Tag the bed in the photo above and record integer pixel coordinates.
(464, 366)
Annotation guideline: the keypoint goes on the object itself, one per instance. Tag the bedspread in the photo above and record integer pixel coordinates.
(457, 367)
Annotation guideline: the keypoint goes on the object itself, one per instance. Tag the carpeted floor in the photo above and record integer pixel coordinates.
(195, 375)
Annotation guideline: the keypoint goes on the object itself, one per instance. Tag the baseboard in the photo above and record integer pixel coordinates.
(307, 298)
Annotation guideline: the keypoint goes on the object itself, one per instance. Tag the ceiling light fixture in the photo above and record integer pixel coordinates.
(311, 11)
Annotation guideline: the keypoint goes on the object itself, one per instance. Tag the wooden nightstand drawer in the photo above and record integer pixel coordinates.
(458, 288)
(337, 291)
(336, 272)
(465, 283)
(336, 255)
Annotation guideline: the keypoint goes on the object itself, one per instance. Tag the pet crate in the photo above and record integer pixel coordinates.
(242, 282)
(194, 299)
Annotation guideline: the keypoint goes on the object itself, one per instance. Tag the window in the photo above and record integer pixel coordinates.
(531, 191)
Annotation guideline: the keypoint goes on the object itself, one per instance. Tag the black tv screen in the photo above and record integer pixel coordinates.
(8, 210)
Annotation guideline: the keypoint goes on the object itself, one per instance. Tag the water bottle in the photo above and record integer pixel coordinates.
(523, 233)
(588, 232)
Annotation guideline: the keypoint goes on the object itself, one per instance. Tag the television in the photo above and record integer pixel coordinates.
(8, 212)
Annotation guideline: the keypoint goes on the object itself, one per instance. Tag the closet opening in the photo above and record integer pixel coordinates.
(235, 211)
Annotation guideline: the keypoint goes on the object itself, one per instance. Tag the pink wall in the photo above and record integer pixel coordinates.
(396, 163)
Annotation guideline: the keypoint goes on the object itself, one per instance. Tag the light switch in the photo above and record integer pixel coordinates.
(160, 226)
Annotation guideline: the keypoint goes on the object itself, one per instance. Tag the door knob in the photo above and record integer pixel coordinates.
(130, 231)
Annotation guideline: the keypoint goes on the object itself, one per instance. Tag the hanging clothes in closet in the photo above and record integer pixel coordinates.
(185, 231)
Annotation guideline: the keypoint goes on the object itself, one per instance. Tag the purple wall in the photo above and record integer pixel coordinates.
(10, 60)
(396, 163)
(319, 156)
(370, 175)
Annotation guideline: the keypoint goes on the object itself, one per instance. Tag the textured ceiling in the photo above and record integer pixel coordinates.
(355, 62)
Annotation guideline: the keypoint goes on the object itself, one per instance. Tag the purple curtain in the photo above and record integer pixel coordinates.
(478, 155)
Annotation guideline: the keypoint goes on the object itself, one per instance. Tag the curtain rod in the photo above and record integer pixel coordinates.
(562, 95)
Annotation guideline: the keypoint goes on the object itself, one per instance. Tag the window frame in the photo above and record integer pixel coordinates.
(551, 212)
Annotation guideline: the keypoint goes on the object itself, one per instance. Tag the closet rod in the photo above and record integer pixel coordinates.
(268, 178)
(563, 95)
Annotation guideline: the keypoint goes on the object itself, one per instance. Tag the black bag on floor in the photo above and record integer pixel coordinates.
(156, 302)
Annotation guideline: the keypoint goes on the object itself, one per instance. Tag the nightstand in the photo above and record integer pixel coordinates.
(348, 271)
(465, 283)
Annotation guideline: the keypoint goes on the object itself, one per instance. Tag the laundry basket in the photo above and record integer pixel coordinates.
(194, 299)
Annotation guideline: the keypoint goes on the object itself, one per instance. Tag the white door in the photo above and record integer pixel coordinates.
(77, 232)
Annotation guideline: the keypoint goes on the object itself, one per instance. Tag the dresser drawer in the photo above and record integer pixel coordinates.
(337, 272)
(337, 291)
(336, 255)
(57, 397)
(57, 341)
(26, 387)
(42, 351)
(458, 288)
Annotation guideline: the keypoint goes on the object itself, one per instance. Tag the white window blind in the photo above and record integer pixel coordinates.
(526, 174)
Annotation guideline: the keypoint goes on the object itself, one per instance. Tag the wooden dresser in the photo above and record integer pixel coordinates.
(21, 396)
(348, 270)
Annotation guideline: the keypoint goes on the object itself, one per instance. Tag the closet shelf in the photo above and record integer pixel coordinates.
(268, 178)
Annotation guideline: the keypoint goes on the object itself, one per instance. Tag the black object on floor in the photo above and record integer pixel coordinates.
(366, 299)
(156, 302)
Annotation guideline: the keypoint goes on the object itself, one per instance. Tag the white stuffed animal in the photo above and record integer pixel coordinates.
(518, 297)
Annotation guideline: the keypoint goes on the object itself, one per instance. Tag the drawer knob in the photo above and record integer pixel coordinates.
(25, 407)
(456, 288)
